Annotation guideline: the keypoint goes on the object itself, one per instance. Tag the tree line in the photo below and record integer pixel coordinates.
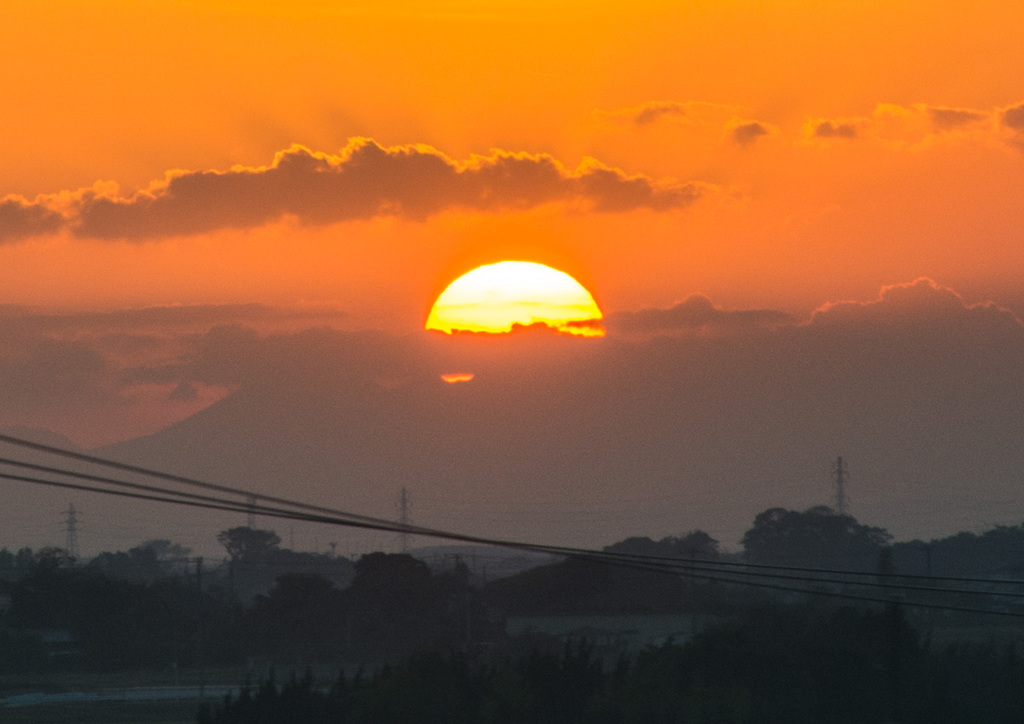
(147, 607)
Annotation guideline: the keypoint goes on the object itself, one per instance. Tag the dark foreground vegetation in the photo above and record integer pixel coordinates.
(784, 665)
(759, 654)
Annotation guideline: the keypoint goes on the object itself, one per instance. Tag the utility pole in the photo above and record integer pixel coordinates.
(251, 517)
(71, 529)
(404, 519)
(199, 631)
(896, 627)
(840, 486)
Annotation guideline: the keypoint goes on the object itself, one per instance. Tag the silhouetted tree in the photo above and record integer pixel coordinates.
(16, 565)
(301, 619)
(117, 623)
(244, 543)
(50, 558)
(998, 551)
(389, 579)
(816, 537)
(146, 562)
(24, 560)
(395, 604)
(583, 586)
(164, 550)
(695, 544)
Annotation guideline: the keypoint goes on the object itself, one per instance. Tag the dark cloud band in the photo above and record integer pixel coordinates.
(20, 219)
(364, 181)
(835, 129)
(949, 118)
(746, 133)
(1013, 117)
(696, 314)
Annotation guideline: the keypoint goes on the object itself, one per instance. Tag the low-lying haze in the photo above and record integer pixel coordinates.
(688, 417)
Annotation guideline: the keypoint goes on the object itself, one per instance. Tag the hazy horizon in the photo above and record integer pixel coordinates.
(682, 418)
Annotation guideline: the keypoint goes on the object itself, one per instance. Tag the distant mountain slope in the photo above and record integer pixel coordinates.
(587, 445)
(39, 435)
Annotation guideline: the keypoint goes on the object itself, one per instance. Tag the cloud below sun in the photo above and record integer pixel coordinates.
(663, 375)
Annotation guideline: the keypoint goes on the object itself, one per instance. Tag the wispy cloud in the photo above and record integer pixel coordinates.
(904, 124)
(686, 112)
(949, 118)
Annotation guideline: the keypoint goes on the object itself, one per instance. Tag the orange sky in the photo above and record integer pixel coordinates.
(175, 174)
(340, 163)
(914, 169)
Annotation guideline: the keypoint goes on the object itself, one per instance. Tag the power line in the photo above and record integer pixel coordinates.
(671, 566)
(831, 571)
(659, 563)
(250, 508)
(710, 566)
(251, 496)
(406, 528)
(850, 596)
(106, 462)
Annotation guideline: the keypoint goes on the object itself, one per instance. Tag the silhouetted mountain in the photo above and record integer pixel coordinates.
(589, 441)
(39, 435)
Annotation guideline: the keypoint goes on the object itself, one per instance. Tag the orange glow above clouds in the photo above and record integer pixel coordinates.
(314, 156)
(661, 149)
(496, 297)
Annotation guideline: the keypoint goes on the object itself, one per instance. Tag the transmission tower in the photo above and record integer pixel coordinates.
(840, 475)
(71, 531)
(404, 518)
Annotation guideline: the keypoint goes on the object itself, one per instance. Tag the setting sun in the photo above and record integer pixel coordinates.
(495, 297)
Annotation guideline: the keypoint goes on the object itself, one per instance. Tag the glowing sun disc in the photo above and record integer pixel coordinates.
(495, 297)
